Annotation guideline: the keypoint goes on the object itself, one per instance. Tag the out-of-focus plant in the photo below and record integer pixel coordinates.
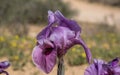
(18, 14)
(30, 11)
(19, 29)
(16, 49)
(76, 56)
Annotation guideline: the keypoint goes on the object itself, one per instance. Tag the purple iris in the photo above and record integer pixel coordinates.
(4, 65)
(54, 41)
(100, 67)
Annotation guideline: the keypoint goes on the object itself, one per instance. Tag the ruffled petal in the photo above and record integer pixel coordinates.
(99, 66)
(114, 62)
(91, 70)
(71, 24)
(61, 36)
(115, 65)
(117, 70)
(95, 68)
(42, 61)
(103, 68)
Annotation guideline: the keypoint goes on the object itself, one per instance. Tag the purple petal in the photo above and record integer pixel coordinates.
(61, 36)
(95, 68)
(114, 62)
(51, 17)
(91, 70)
(4, 64)
(117, 70)
(103, 68)
(48, 43)
(45, 43)
(67, 23)
(42, 61)
(115, 65)
(87, 50)
(44, 33)
(99, 66)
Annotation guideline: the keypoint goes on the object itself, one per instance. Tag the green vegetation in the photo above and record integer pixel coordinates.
(29, 11)
(17, 50)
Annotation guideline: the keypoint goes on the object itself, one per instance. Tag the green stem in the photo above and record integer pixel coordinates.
(61, 69)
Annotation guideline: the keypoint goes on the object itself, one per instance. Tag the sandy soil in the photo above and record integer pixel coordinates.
(94, 12)
(30, 70)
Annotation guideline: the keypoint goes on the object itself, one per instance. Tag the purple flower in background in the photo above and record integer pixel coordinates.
(4, 65)
(54, 41)
(100, 67)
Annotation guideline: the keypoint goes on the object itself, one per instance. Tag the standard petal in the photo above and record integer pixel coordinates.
(42, 61)
(45, 32)
(71, 24)
(51, 17)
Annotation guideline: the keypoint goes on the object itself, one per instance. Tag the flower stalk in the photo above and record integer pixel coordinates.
(61, 68)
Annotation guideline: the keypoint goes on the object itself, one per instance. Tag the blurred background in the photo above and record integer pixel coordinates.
(22, 20)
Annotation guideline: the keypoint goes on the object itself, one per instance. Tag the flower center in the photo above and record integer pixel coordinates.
(47, 51)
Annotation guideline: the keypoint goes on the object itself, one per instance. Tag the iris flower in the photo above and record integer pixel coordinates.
(100, 67)
(4, 65)
(55, 40)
